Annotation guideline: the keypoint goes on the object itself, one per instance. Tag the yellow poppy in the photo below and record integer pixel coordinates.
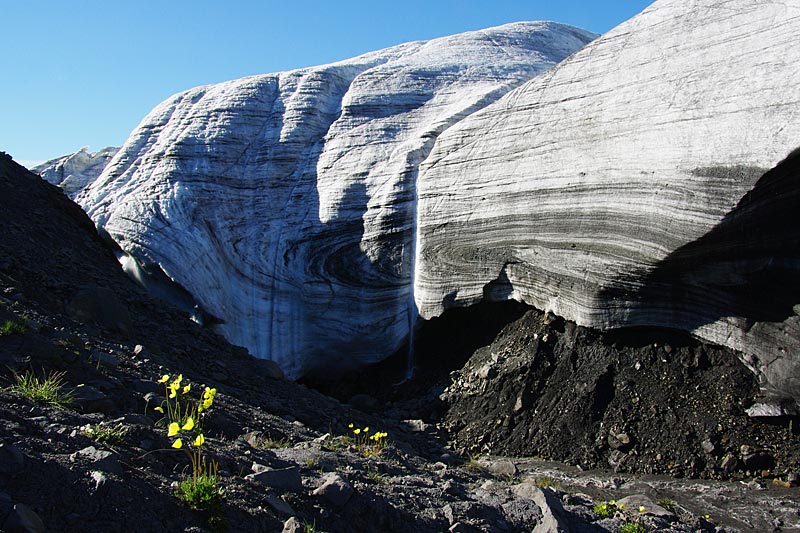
(189, 424)
(177, 444)
(199, 440)
(173, 429)
(164, 378)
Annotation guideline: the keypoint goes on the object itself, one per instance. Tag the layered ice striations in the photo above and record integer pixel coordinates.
(286, 203)
(627, 186)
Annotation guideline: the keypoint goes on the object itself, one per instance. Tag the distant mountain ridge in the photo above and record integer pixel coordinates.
(73, 172)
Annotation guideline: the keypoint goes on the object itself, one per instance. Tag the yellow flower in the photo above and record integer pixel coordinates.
(350, 426)
(612, 502)
(172, 392)
(199, 440)
(207, 403)
(189, 424)
(177, 444)
(622, 507)
(642, 509)
(356, 431)
(366, 430)
(164, 378)
(173, 429)
(159, 409)
(187, 388)
(177, 381)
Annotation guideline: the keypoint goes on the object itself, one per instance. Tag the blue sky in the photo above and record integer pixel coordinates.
(85, 73)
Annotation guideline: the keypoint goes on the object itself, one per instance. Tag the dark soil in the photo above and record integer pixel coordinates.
(506, 379)
(639, 400)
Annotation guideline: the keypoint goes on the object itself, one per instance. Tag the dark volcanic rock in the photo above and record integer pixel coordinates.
(636, 400)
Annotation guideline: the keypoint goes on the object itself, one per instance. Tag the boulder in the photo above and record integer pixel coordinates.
(278, 478)
(99, 460)
(335, 489)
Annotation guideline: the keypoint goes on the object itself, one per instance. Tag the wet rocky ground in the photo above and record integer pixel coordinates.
(288, 458)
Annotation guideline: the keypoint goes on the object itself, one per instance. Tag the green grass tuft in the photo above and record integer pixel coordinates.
(668, 504)
(544, 482)
(13, 327)
(202, 492)
(47, 389)
(272, 444)
(473, 464)
(633, 527)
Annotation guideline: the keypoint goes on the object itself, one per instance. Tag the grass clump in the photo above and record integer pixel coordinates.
(547, 482)
(336, 444)
(13, 327)
(201, 491)
(668, 504)
(105, 434)
(47, 389)
(375, 476)
(273, 444)
(473, 464)
(633, 527)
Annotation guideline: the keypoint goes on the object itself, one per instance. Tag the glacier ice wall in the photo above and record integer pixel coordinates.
(627, 186)
(644, 181)
(286, 203)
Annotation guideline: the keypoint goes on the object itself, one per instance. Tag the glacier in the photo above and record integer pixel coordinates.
(286, 203)
(648, 180)
(647, 177)
(73, 172)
